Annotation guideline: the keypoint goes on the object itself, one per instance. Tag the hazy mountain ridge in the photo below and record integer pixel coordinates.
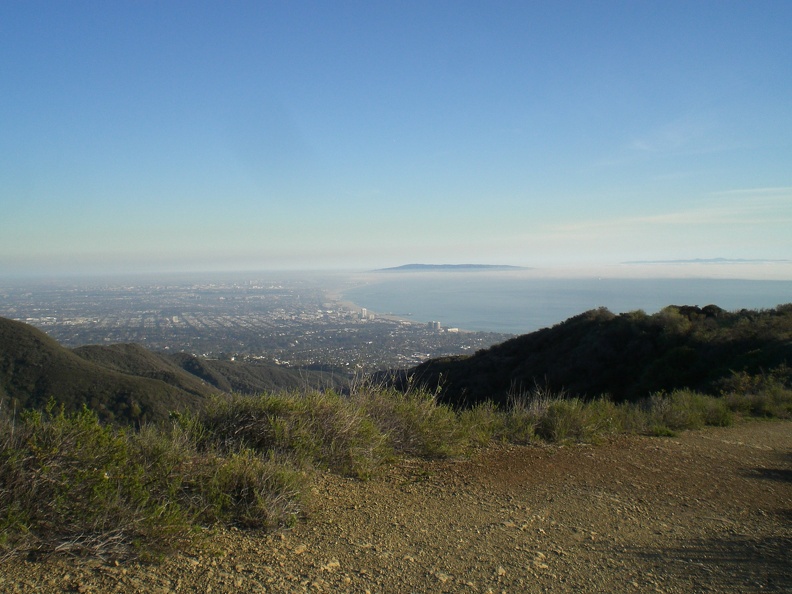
(627, 356)
(125, 382)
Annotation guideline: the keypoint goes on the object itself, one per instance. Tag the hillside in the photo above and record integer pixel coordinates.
(125, 383)
(254, 378)
(34, 369)
(133, 359)
(627, 356)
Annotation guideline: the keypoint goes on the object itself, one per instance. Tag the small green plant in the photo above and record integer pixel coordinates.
(314, 429)
(247, 490)
(483, 423)
(661, 431)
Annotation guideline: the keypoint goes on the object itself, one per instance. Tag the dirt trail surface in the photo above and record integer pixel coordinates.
(708, 511)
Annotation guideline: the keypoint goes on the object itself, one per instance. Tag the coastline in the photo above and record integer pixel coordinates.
(517, 305)
(336, 296)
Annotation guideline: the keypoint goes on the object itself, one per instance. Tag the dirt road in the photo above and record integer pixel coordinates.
(708, 511)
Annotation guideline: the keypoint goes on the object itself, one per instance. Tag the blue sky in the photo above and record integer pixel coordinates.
(157, 136)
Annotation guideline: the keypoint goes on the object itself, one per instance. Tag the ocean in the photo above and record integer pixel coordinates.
(514, 305)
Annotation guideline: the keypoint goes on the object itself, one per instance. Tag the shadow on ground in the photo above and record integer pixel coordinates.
(736, 564)
(782, 474)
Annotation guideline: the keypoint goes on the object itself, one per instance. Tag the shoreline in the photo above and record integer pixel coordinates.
(528, 305)
(336, 296)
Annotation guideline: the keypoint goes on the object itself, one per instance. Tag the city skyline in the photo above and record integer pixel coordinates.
(241, 136)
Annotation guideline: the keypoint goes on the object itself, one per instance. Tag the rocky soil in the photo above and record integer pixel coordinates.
(708, 511)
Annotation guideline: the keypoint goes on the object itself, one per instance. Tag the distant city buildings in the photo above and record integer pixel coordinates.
(289, 324)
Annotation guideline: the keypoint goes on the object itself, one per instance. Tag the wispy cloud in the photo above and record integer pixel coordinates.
(782, 192)
(696, 134)
(672, 136)
(757, 206)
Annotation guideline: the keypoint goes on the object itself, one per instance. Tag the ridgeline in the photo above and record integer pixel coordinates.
(626, 357)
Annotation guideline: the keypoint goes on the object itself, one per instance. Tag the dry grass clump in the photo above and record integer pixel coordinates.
(685, 409)
(70, 484)
(311, 429)
(764, 395)
(413, 422)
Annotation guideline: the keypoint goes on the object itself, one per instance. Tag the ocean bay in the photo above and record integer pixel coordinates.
(517, 304)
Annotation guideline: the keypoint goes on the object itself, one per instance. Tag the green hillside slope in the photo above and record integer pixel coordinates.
(133, 359)
(126, 382)
(34, 369)
(254, 378)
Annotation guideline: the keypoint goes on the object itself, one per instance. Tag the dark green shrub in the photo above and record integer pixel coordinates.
(686, 409)
(519, 425)
(763, 395)
(71, 484)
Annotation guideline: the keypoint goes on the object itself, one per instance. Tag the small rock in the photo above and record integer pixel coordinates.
(331, 565)
(443, 577)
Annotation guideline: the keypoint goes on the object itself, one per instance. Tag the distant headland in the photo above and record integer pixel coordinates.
(710, 261)
(451, 268)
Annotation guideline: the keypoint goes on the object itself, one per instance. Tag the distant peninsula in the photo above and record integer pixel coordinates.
(710, 261)
(451, 268)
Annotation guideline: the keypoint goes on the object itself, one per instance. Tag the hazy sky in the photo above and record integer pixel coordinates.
(248, 135)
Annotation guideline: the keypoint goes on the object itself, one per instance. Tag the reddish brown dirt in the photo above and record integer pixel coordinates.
(708, 511)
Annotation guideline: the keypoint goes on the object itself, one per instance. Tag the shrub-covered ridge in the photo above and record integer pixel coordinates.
(626, 356)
